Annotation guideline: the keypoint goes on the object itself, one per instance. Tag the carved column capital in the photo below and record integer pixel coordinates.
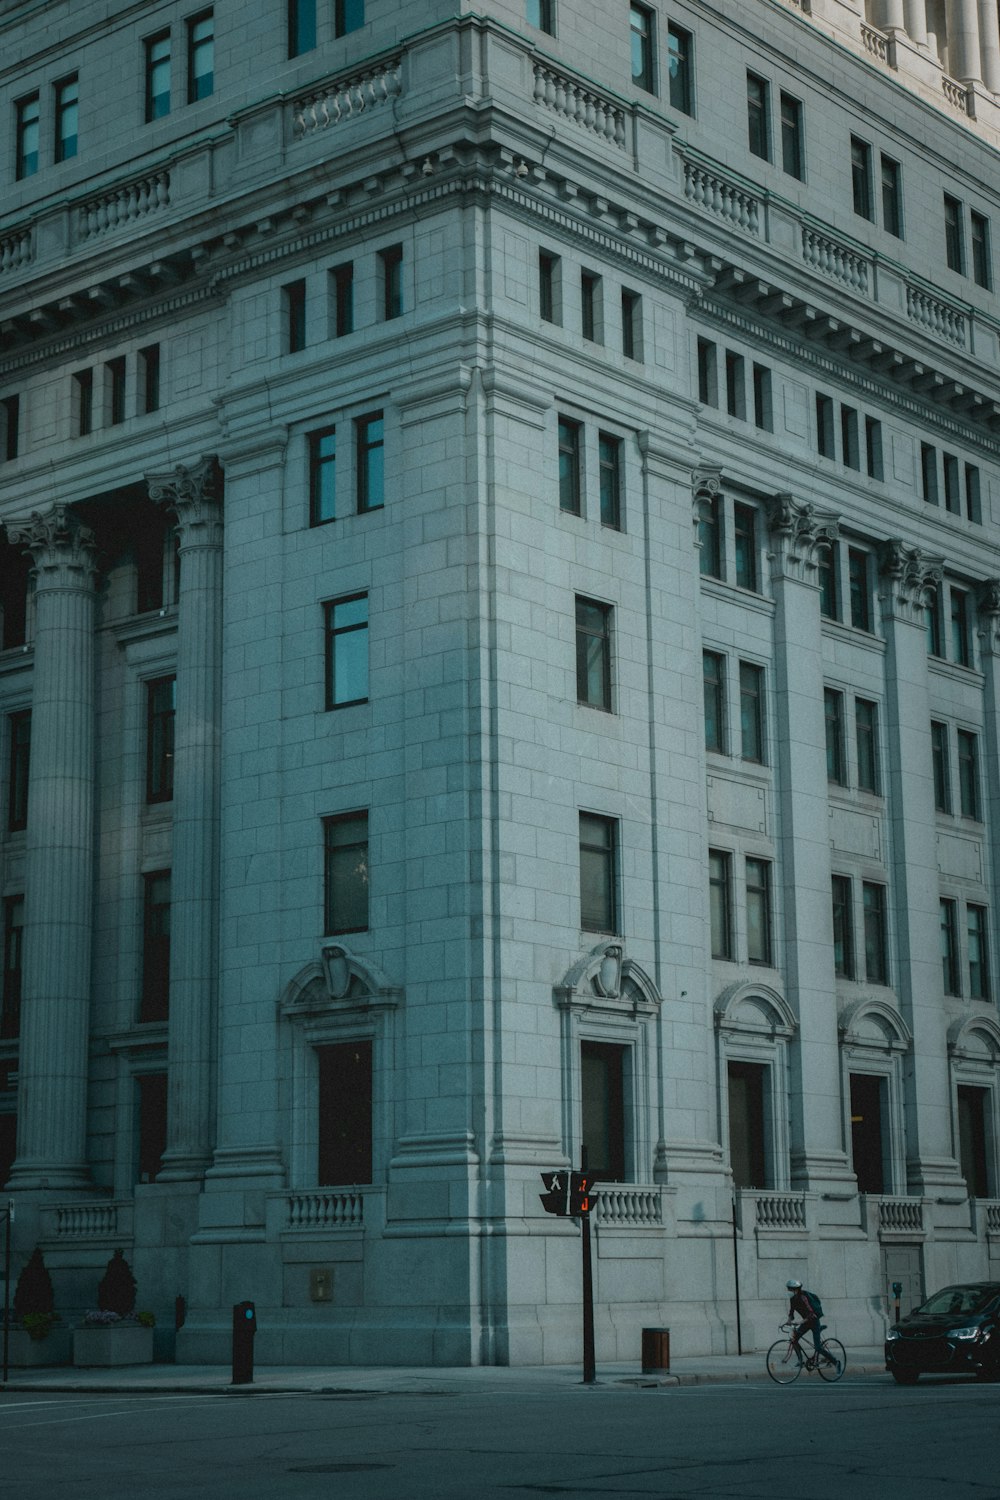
(799, 533)
(63, 550)
(910, 580)
(193, 494)
(706, 488)
(988, 601)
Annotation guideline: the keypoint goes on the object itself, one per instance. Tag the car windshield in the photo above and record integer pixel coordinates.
(960, 1300)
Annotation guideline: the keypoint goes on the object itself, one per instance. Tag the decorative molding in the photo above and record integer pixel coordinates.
(58, 543)
(193, 494)
(605, 979)
(897, 1035)
(799, 532)
(912, 578)
(772, 1017)
(960, 1040)
(339, 981)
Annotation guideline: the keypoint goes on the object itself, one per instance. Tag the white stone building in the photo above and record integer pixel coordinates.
(500, 661)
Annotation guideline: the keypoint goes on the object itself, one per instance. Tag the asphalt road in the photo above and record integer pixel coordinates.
(863, 1439)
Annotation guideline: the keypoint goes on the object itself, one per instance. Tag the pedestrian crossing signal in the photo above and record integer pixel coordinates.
(556, 1199)
(580, 1193)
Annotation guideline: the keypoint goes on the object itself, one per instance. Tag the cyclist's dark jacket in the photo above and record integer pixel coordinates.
(800, 1304)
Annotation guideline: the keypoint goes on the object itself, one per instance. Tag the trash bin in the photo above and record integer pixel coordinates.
(655, 1350)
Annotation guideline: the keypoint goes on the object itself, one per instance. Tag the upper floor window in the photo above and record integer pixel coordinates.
(10, 428)
(391, 264)
(892, 197)
(201, 56)
(370, 444)
(346, 651)
(745, 539)
(954, 234)
(549, 287)
(149, 379)
(752, 712)
(569, 466)
(160, 706)
(720, 903)
(713, 665)
(322, 476)
(301, 26)
(758, 890)
(631, 324)
(591, 322)
(115, 390)
(155, 998)
(609, 463)
(859, 588)
(598, 873)
(348, 15)
(833, 706)
(792, 145)
(876, 933)
(19, 749)
(759, 116)
(541, 15)
(824, 426)
(27, 111)
(979, 239)
(679, 54)
(158, 75)
(346, 873)
(642, 34)
(343, 299)
(593, 653)
(968, 774)
(294, 308)
(13, 963)
(83, 402)
(861, 177)
(67, 118)
(866, 740)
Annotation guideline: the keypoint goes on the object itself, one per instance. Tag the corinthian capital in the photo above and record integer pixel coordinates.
(988, 600)
(911, 579)
(193, 494)
(62, 549)
(799, 533)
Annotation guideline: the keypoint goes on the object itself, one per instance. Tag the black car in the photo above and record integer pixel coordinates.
(955, 1332)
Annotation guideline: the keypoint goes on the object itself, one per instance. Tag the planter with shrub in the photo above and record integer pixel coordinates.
(114, 1333)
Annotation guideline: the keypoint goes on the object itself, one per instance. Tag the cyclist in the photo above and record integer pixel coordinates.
(810, 1310)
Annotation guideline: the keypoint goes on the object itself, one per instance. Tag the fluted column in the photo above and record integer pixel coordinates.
(798, 535)
(893, 15)
(59, 874)
(194, 497)
(963, 40)
(915, 13)
(909, 579)
(989, 44)
(989, 639)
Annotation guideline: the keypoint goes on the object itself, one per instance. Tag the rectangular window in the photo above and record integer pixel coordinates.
(952, 493)
(968, 774)
(346, 651)
(593, 653)
(13, 950)
(892, 197)
(792, 153)
(342, 278)
(867, 1141)
(348, 15)
(714, 689)
(26, 126)
(346, 873)
(322, 476)
(866, 738)
(736, 400)
(344, 1116)
(859, 585)
(679, 62)
(752, 712)
(826, 574)
(861, 178)
(949, 949)
(14, 576)
(301, 26)
(954, 238)
(609, 463)
(758, 116)
(745, 542)
(940, 760)
(824, 426)
(708, 374)
(873, 448)
(979, 239)
(598, 873)
(973, 501)
(833, 709)
(592, 323)
(710, 539)
(961, 641)
(876, 940)
(549, 287)
(151, 1124)
(149, 379)
(541, 15)
(67, 118)
(391, 264)
(115, 370)
(160, 704)
(631, 324)
(19, 748)
(843, 927)
(155, 999)
(758, 911)
(370, 446)
(83, 402)
(570, 433)
(849, 437)
(746, 1088)
(602, 1110)
(10, 427)
(294, 306)
(973, 1137)
(932, 612)
(201, 56)
(158, 76)
(762, 398)
(978, 952)
(641, 30)
(719, 900)
(929, 473)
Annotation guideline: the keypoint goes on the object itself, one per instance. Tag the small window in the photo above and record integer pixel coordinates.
(850, 451)
(609, 454)
(843, 927)
(201, 56)
(861, 178)
(982, 271)
(758, 911)
(935, 634)
(346, 651)
(149, 379)
(348, 15)
(968, 774)
(549, 287)
(720, 903)
(593, 653)
(708, 374)
(391, 264)
(115, 369)
(973, 501)
(758, 116)
(155, 999)
(342, 278)
(345, 1135)
(322, 476)
(160, 705)
(13, 963)
(83, 402)
(876, 937)
(824, 426)
(940, 761)
(301, 26)
(745, 542)
(873, 448)
(67, 118)
(892, 197)
(641, 30)
(954, 237)
(752, 712)
(590, 307)
(294, 298)
(19, 749)
(679, 62)
(833, 709)
(949, 949)
(598, 873)
(10, 428)
(346, 873)
(929, 473)
(736, 398)
(859, 583)
(541, 15)
(710, 538)
(826, 572)
(792, 154)
(158, 76)
(762, 398)
(866, 739)
(631, 324)
(978, 952)
(961, 636)
(952, 491)
(370, 445)
(714, 689)
(570, 434)
(27, 119)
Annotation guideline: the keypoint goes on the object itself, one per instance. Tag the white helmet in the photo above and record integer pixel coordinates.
(794, 1286)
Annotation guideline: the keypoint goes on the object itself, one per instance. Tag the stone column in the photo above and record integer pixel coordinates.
(963, 40)
(989, 44)
(915, 12)
(798, 535)
(909, 579)
(989, 640)
(59, 877)
(194, 497)
(893, 15)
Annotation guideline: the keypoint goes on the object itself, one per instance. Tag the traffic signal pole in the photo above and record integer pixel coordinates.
(571, 1194)
(589, 1362)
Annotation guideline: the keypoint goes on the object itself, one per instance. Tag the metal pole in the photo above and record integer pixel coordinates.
(9, 1216)
(736, 1280)
(589, 1362)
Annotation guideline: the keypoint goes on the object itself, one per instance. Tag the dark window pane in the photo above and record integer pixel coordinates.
(301, 26)
(954, 239)
(610, 473)
(349, 15)
(347, 873)
(593, 654)
(719, 876)
(843, 927)
(713, 671)
(758, 123)
(598, 906)
(345, 1114)
(322, 476)
(949, 949)
(158, 76)
(892, 197)
(28, 112)
(641, 29)
(391, 261)
(19, 743)
(681, 71)
(347, 651)
(602, 1110)
(866, 727)
(745, 542)
(151, 1109)
(201, 56)
(371, 462)
(747, 1130)
(758, 911)
(569, 466)
(155, 999)
(876, 953)
(861, 177)
(160, 703)
(67, 118)
(791, 136)
(13, 959)
(752, 711)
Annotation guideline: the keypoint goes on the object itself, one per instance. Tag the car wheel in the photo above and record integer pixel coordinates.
(905, 1377)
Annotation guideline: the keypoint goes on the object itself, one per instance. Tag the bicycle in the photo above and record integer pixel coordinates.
(786, 1358)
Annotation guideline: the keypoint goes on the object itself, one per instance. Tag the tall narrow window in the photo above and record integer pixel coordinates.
(149, 379)
(569, 466)
(714, 689)
(83, 402)
(370, 445)
(867, 1147)
(972, 1140)
(792, 154)
(591, 324)
(876, 939)
(598, 874)
(344, 1145)
(935, 634)
(954, 237)
(19, 750)
(348, 15)
(892, 197)
(679, 62)
(631, 324)
(866, 736)
(294, 298)
(593, 653)
(158, 76)
(745, 543)
(160, 704)
(641, 30)
(849, 437)
(859, 584)
(758, 116)
(861, 177)
(961, 639)
(826, 574)
(752, 712)
(973, 499)
(602, 1110)
(941, 767)
(762, 398)
(720, 901)
(549, 287)
(843, 927)
(968, 774)
(14, 576)
(322, 476)
(609, 460)
(13, 950)
(949, 949)
(67, 118)
(746, 1084)
(541, 15)
(26, 125)
(151, 1125)
(710, 539)
(929, 473)
(979, 239)
(833, 708)
(301, 26)
(708, 375)
(873, 447)
(346, 873)
(824, 426)
(346, 651)
(115, 370)
(201, 56)
(10, 427)
(758, 911)
(342, 279)
(978, 952)
(391, 263)
(952, 492)
(736, 399)
(155, 998)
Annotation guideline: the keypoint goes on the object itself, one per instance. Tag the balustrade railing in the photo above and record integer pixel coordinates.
(15, 250)
(628, 1205)
(833, 259)
(346, 98)
(781, 1211)
(993, 1218)
(875, 42)
(935, 315)
(124, 205)
(86, 1220)
(594, 112)
(334, 1210)
(955, 93)
(718, 195)
(902, 1215)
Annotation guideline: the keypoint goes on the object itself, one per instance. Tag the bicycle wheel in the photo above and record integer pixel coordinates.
(834, 1351)
(784, 1362)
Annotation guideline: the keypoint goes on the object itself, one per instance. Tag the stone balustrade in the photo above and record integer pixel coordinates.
(345, 98)
(720, 195)
(781, 1211)
(875, 42)
(579, 104)
(900, 1216)
(89, 1220)
(936, 316)
(628, 1205)
(343, 1209)
(836, 260)
(124, 205)
(956, 94)
(16, 250)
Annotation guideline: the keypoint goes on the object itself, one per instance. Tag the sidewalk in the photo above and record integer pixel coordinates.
(346, 1380)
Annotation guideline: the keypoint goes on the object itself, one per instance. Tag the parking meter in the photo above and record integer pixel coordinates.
(244, 1328)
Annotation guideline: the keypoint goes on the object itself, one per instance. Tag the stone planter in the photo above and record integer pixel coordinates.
(130, 1345)
(26, 1353)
